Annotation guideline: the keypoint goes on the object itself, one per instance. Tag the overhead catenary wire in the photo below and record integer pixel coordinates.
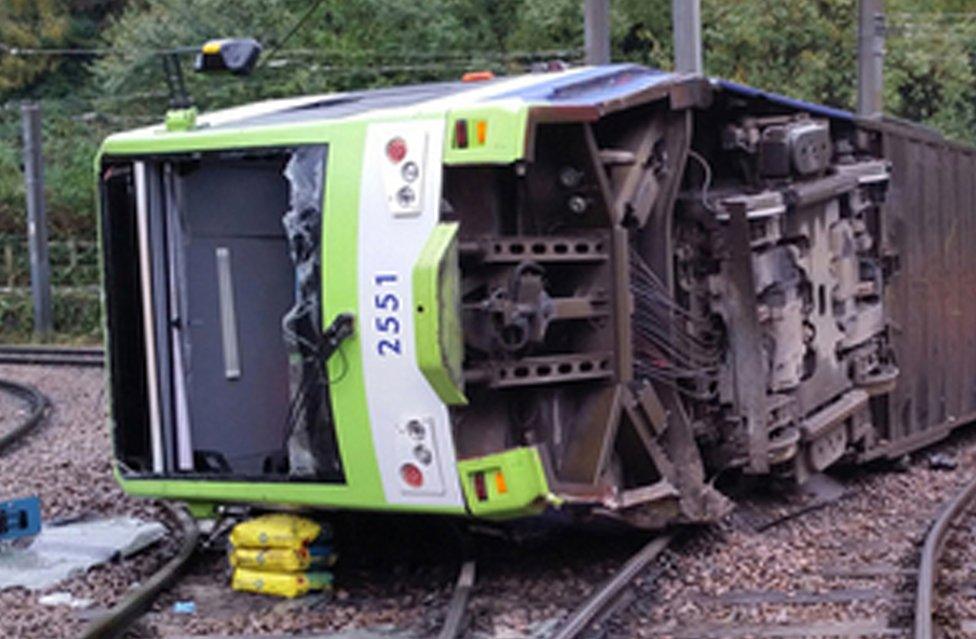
(436, 62)
(298, 25)
(13, 50)
(365, 53)
(368, 62)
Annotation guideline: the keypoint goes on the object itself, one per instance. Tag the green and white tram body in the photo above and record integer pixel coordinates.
(587, 290)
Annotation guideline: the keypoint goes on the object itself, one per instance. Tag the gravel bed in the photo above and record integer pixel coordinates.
(67, 462)
(403, 596)
(398, 572)
(954, 604)
(393, 573)
(879, 526)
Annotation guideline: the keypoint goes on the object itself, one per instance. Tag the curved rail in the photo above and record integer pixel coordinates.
(39, 404)
(52, 355)
(934, 544)
(455, 610)
(126, 612)
(603, 600)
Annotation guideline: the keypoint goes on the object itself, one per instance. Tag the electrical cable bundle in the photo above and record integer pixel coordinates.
(671, 344)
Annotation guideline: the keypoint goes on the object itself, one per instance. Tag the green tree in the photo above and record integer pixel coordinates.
(29, 24)
(144, 28)
(929, 66)
(807, 49)
(342, 45)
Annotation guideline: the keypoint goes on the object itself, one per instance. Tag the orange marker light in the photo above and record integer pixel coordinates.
(477, 76)
(481, 131)
(500, 484)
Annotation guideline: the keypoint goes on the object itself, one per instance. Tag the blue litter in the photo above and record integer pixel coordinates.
(20, 518)
(185, 607)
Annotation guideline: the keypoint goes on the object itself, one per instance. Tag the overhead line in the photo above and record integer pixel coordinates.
(103, 51)
(298, 25)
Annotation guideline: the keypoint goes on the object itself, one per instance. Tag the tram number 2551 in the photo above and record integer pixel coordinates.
(386, 305)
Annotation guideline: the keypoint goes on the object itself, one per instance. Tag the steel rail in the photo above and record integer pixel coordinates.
(459, 602)
(931, 551)
(52, 355)
(603, 599)
(42, 348)
(117, 620)
(39, 404)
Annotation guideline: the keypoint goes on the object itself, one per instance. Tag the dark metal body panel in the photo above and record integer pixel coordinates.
(930, 296)
(237, 209)
(244, 419)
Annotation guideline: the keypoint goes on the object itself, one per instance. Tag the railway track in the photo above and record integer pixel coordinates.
(609, 598)
(38, 404)
(879, 587)
(52, 355)
(857, 595)
(125, 613)
(453, 626)
(899, 584)
(935, 543)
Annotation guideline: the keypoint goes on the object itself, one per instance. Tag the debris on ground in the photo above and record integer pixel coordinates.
(64, 599)
(19, 519)
(67, 463)
(941, 461)
(184, 607)
(59, 552)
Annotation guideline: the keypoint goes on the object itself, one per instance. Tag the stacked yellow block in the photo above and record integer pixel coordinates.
(281, 555)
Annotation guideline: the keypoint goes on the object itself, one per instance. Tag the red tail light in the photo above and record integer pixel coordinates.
(412, 475)
(396, 150)
(480, 488)
(461, 134)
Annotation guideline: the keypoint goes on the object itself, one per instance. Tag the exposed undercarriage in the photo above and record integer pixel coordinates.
(664, 293)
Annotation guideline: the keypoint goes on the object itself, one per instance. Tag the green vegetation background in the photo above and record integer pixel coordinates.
(805, 48)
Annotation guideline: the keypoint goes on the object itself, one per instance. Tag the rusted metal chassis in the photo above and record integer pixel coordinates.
(822, 433)
(926, 227)
(931, 551)
(747, 343)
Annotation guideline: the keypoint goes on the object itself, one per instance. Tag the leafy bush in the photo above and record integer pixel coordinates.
(77, 314)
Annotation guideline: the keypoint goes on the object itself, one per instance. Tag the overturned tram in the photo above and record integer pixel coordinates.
(589, 291)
